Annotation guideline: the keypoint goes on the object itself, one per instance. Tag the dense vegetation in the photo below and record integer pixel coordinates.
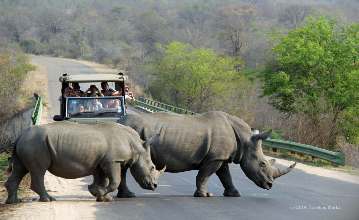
(127, 31)
(3, 166)
(193, 78)
(316, 72)
(13, 69)
(214, 54)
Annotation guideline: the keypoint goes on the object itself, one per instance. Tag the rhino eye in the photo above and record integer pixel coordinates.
(262, 164)
(152, 168)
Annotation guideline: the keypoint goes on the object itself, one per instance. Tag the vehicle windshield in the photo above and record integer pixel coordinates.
(90, 107)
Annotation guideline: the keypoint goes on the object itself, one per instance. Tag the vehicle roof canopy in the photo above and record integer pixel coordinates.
(85, 78)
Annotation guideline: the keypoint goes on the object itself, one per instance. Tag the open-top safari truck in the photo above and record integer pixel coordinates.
(89, 108)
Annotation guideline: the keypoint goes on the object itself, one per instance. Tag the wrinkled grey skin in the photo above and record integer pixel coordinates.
(208, 143)
(72, 150)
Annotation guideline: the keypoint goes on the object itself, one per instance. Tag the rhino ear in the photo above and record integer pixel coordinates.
(145, 145)
(261, 136)
(143, 134)
(152, 139)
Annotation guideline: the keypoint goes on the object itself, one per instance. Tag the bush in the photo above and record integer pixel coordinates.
(315, 73)
(31, 46)
(13, 69)
(3, 165)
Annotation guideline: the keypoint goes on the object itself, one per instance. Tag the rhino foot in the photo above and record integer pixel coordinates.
(202, 194)
(47, 199)
(92, 190)
(105, 198)
(96, 190)
(13, 200)
(231, 193)
(125, 194)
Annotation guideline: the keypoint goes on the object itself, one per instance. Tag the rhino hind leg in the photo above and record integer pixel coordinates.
(224, 176)
(123, 191)
(13, 182)
(202, 177)
(38, 186)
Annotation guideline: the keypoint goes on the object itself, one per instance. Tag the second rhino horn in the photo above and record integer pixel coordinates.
(163, 170)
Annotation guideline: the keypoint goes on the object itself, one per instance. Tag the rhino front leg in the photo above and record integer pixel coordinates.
(112, 171)
(224, 176)
(100, 181)
(38, 186)
(123, 191)
(203, 175)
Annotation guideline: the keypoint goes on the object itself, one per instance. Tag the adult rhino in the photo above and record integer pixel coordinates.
(208, 143)
(72, 150)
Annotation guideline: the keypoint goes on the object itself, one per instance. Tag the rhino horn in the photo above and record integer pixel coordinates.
(278, 172)
(162, 170)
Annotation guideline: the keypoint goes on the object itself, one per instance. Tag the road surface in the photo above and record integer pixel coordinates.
(305, 193)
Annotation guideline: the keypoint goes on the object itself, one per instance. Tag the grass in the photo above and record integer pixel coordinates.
(3, 166)
(3, 176)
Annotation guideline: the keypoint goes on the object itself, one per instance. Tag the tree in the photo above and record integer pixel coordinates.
(236, 22)
(151, 29)
(293, 15)
(192, 78)
(315, 72)
(194, 24)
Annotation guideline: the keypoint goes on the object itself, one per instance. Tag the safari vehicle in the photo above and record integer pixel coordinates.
(91, 109)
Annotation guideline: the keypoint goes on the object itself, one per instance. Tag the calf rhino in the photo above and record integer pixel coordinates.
(72, 150)
(208, 143)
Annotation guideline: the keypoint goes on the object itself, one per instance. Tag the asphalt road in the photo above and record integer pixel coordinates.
(298, 195)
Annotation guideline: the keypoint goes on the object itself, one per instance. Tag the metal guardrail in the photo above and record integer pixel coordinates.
(316, 152)
(37, 113)
(147, 107)
(156, 106)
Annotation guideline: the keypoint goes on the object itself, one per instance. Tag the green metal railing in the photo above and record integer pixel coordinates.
(147, 107)
(37, 113)
(155, 106)
(316, 152)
